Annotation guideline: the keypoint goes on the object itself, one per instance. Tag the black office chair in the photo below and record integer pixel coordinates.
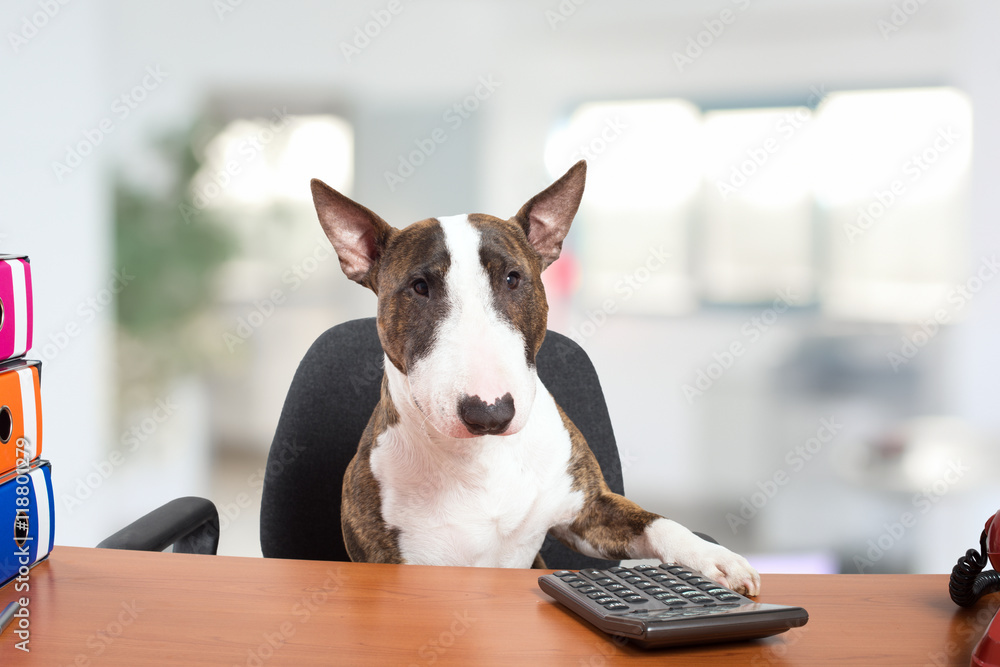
(332, 395)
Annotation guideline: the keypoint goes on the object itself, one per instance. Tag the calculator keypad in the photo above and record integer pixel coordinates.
(664, 590)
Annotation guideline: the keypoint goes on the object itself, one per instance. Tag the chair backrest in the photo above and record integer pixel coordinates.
(333, 394)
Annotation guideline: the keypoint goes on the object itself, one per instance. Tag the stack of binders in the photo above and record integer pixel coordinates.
(27, 512)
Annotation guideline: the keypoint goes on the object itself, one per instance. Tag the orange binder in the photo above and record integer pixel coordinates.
(20, 412)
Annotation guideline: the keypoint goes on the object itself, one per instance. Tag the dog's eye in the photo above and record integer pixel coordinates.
(420, 287)
(513, 279)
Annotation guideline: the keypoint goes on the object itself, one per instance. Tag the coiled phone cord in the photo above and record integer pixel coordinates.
(967, 585)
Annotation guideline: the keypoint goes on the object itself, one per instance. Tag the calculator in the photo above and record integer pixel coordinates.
(666, 605)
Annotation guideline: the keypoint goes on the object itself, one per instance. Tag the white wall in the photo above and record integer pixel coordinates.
(55, 89)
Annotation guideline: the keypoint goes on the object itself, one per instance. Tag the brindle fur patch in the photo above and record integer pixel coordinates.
(407, 320)
(367, 536)
(607, 521)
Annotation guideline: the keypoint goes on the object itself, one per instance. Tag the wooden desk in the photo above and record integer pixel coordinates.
(101, 607)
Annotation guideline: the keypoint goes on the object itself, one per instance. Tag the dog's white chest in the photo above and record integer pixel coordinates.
(485, 501)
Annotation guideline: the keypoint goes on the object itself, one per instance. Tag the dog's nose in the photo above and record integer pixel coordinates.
(481, 418)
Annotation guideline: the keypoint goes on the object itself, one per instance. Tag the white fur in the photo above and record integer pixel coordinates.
(475, 352)
(670, 542)
(485, 501)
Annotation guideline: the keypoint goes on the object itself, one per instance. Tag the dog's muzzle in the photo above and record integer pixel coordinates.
(481, 418)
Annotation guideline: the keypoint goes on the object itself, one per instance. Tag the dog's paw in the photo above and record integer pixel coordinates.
(674, 543)
(725, 567)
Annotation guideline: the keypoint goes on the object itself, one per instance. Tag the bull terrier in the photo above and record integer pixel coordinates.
(467, 459)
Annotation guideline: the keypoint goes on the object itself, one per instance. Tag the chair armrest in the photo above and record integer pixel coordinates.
(190, 524)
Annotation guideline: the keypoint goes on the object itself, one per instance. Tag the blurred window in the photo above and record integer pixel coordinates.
(857, 202)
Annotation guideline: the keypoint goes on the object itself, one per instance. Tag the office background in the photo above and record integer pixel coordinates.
(783, 270)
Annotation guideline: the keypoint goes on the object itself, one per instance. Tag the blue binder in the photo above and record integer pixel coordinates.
(28, 512)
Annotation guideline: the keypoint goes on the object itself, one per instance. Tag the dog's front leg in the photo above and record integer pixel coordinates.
(612, 526)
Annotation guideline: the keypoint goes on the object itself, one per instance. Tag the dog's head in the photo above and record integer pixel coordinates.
(461, 307)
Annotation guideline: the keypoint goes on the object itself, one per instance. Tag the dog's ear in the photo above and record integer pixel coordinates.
(357, 234)
(547, 216)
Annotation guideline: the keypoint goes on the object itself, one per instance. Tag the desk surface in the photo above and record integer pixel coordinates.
(101, 607)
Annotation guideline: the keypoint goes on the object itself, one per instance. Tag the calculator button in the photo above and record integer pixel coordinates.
(564, 573)
(625, 591)
(577, 583)
(616, 570)
(653, 590)
(633, 579)
(700, 599)
(728, 596)
(643, 568)
(588, 589)
(680, 588)
(660, 577)
(683, 574)
(605, 581)
(706, 586)
(592, 573)
(616, 606)
(644, 585)
(635, 599)
(614, 588)
(672, 568)
(597, 595)
(691, 594)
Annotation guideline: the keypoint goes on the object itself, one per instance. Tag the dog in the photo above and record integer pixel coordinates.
(467, 459)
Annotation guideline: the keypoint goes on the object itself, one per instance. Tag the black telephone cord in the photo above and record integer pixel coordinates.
(967, 583)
